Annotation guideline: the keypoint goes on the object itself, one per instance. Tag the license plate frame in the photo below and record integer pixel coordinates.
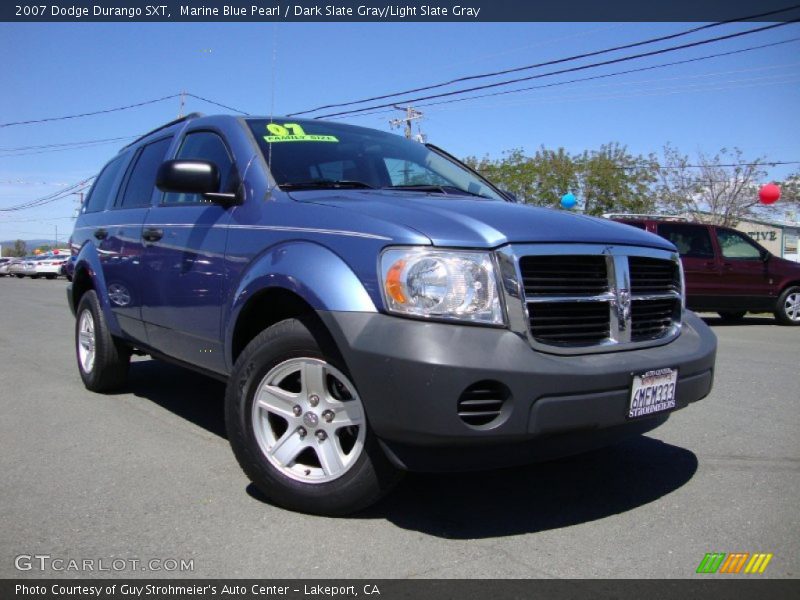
(652, 392)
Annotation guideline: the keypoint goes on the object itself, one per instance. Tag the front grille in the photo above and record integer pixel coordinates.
(564, 275)
(615, 296)
(570, 323)
(651, 319)
(482, 402)
(653, 275)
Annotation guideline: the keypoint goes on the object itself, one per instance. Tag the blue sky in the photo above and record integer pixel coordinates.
(749, 100)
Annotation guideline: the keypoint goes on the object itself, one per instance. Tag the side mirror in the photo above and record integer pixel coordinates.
(193, 177)
(511, 196)
(188, 177)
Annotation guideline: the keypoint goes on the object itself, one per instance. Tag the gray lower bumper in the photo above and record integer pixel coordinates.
(410, 375)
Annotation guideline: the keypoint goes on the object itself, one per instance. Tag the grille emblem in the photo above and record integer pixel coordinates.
(622, 303)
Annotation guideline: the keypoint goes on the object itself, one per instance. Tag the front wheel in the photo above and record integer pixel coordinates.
(102, 361)
(299, 429)
(787, 310)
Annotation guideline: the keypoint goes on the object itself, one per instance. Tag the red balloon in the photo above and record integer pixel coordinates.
(769, 193)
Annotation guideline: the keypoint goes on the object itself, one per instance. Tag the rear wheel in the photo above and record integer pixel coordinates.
(787, 311)
(298, 427)
(50, 276)
(102, 361)
(732, 315)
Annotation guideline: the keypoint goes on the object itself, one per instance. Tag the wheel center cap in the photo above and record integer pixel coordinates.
(310, 419)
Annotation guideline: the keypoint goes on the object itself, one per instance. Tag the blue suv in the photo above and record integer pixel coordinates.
(375, 306)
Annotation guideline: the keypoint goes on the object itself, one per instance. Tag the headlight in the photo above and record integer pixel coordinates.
(441, 284)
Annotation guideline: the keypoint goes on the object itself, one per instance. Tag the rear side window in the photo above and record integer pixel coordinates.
(104, 188)
(637, 224)
(737, 245)
(691, 241)
(142, 180)
(204, 145)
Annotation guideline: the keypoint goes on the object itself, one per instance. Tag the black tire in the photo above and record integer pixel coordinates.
(369, 477)
(732, 315)
(111, 357)
(783, 312)
(34, 277)
(20, 275)
(50, 276)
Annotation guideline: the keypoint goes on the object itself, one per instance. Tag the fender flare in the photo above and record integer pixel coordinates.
(312, 271)
(88, 262)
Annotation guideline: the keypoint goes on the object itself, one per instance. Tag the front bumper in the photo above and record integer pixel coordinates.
(410, 375)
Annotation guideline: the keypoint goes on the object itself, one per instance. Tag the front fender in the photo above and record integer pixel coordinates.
(88, 262)
(313, 272)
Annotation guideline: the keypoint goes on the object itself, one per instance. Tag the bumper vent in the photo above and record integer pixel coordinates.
(482, 402)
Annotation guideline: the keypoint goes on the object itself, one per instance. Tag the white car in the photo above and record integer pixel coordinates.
(49, 266)
(4, 264)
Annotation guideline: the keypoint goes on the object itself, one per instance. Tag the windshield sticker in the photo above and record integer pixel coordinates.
(292, 132)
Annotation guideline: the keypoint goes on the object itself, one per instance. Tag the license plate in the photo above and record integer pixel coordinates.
(652, 392)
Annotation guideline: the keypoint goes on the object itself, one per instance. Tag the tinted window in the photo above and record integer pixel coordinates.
(142, 179)
(104, 188)
(737, 245)
(204, 145)
(311, 154)
(691, 240)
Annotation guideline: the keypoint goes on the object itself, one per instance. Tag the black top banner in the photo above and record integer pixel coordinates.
(408, 10)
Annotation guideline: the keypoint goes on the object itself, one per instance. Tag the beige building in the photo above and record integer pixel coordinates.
(780, 238)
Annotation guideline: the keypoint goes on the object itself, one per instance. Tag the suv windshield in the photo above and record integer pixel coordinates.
(307, 154)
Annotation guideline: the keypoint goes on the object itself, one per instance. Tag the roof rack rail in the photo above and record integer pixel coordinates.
(645, 216)
(193, 115)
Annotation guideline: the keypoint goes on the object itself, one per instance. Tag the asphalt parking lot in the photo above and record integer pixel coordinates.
(148, 474)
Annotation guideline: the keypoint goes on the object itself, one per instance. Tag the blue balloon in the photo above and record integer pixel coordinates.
(568, 201)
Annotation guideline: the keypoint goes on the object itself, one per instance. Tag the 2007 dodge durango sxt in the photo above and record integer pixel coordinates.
(375, 306)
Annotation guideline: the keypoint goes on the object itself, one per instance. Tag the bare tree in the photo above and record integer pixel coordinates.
(724, 186)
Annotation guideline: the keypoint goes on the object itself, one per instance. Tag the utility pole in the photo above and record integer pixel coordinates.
(412, 114)
(183, 102)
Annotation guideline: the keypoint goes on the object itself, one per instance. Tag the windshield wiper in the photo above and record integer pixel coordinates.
(324, 184)
(440, 189)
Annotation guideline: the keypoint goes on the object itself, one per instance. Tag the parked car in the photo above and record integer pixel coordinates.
(4, 264)
(23, 266)
(50, 266)
(728, 272)
(68, 268)
(375, 306)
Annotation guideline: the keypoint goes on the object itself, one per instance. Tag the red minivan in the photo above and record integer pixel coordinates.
(728, 272)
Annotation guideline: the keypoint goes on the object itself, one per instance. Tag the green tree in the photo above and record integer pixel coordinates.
(614, 180)
(20, 248)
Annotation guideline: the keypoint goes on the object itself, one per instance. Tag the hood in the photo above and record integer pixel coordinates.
(457, 221)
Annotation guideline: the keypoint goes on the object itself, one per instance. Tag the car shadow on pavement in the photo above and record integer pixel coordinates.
(192, 396)
(541, 496)
(484, 504)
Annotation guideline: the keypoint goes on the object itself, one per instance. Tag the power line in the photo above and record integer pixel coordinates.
(591, 78)
(59, 195)
(89, 114)
(218, 104)
(39, 147)
(562, 71)
(546, 63)
(121, 108)
(49, 150)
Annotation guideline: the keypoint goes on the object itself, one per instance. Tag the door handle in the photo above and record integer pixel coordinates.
(152, 235)
(100, 234)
